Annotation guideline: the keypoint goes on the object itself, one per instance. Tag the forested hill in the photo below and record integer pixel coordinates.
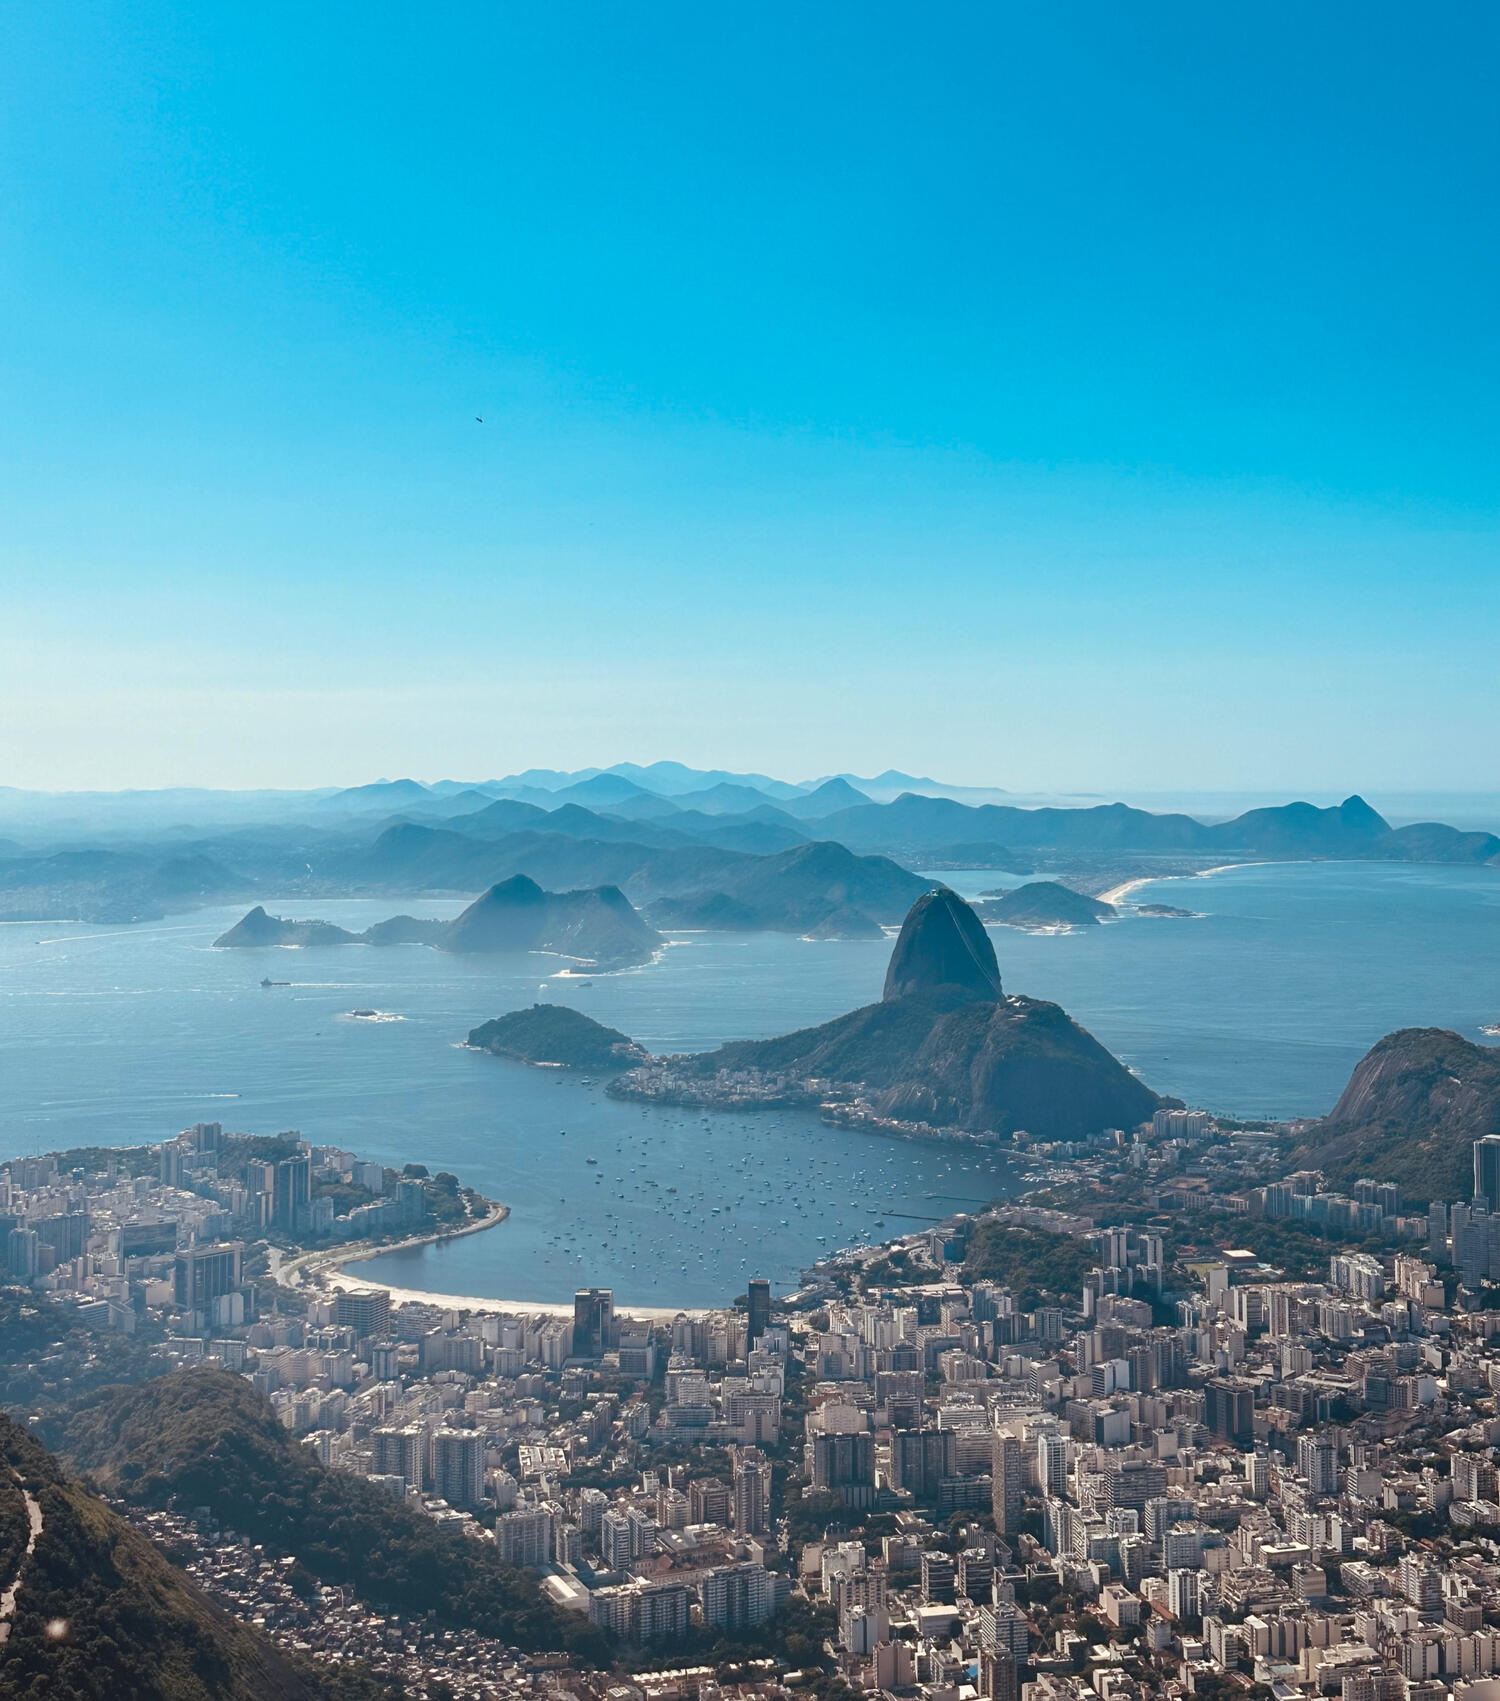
(1415, 1104)
(101, 1614)
(206, 1438)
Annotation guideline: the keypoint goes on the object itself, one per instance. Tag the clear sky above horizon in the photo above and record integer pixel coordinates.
(1066, 397)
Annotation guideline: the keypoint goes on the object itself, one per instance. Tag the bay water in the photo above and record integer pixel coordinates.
(1258, 1005)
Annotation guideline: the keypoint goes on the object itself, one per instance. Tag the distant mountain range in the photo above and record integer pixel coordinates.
(701, 845)
(680, 884)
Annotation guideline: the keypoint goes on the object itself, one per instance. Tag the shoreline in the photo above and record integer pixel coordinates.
(1116, 893)
(336, 1268)
(510, 1307)
(330, 1261)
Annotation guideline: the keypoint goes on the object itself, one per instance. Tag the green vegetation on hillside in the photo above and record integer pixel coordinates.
(48, 1358)
(206, 1438)
(1030, 1262)
(102, 1615)
(1416, 1102)
(1300, 1250)
(554, 1033)
(95, 1160)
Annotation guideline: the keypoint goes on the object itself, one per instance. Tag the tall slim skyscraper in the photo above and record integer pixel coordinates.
(593, 1322)
(752, 1492)
(293, 1189)
(1008, 1483)
(1052, 1462)
(760, 1309)
(1487, 1171)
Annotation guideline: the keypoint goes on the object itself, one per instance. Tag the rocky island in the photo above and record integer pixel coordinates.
(557, 1035)
(1045, 903)
(599, 926)
(945, 1047)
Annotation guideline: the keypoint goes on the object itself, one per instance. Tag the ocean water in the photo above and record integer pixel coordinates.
(1260, 1005)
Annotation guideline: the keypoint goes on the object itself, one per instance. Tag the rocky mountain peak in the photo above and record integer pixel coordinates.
(943, 943)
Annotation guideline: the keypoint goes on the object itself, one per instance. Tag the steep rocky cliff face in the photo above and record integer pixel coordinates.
(942, 944)
(1415, 1103)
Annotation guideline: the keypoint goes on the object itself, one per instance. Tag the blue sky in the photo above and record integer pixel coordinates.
(1057, 397)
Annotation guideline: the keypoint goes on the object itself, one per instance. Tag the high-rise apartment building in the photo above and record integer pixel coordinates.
(736, 1597)
(458, 1467)
(752, 1492)
(202, 1273)
(710, 1501)
(1229, 1411)
(367, 1313)
(593, 1322)
(402, 1452)
(920, 1459)
(524, 1537)
(844, 1465)
(1007, 1483)
(759, 1319)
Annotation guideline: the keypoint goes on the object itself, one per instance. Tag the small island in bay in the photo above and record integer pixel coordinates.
(1166, 910)
(556, 1034)
(1045, 903)
(599, 926)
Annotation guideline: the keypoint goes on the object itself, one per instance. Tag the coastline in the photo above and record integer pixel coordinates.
(335, 1265)
(1116, 894)
(506, 1307)
(330, 1261)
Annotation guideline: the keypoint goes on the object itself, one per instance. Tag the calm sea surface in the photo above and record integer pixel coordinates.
(1261, 1006)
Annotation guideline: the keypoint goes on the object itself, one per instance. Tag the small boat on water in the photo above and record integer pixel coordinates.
(269, 982)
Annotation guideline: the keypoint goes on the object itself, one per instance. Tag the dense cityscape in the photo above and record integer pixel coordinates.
(1060, 1448)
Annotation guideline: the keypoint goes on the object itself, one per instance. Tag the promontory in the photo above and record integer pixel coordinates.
(946, 1046)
